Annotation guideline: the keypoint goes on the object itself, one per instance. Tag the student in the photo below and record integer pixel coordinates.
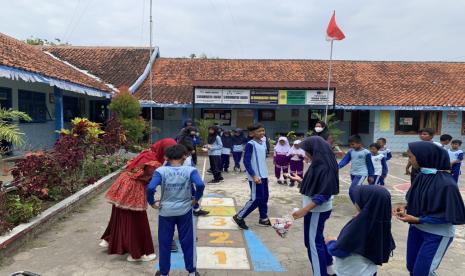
(296, 157)
(190, 135)
(215, 147)
(427, 135)
(281, 159)
(319, 185)
(361, 166)
(257, 173)
(197, 211)
(380, 168)
(456, 158)
(128, 230)
(444, 140)
(238, 142)
(175, 208)
(366, 240)
(226, 139)
(384, 150)
(434, 206)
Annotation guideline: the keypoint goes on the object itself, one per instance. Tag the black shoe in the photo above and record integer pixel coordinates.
(158, 273)
(213, 181)
(285, 183)
(292, 184)
(298, 185)
(264, 222)
(280, 182)
(201, 213)
(240, 222)
(174, 246)
(221, 178)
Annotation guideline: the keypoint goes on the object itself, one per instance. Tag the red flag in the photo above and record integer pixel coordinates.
(333, 32)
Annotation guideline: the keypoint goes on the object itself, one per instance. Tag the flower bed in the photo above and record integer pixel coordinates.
(80, 157)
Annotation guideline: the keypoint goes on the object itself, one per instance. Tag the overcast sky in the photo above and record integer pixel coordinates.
(375, 30)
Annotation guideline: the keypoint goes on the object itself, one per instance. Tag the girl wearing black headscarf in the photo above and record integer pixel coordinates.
(434, 207)
(320, 183)
(214, 146)
(321, 130)
(366, 240)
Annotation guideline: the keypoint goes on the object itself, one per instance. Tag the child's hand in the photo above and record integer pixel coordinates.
(299, 213)
(295, 177)
(408, 218)
(155, 205)
(371, 179)
(328, 239)
(407, 172)
(257, 180)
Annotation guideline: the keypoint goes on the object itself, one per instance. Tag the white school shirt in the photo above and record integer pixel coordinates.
(377, 165)
(355, 265)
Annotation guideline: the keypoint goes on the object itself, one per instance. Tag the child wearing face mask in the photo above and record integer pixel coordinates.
(321, 130)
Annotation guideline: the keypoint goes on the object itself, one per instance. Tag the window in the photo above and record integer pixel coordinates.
(98, 111)
(71, 108)
(33, 103)
(5, 97)
(266, 115)
(410, 122)
(360, 122)
(220, 116)
(158, 113)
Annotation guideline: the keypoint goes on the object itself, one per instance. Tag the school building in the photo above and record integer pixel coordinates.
(375, 99)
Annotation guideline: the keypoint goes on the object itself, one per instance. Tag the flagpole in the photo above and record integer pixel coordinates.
(329, 81)
(150, 73)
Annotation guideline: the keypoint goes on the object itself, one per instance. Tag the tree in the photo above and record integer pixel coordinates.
(45, 42)
(128, 110)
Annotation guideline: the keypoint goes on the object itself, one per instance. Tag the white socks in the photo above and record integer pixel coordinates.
(330, 270)
(192, 274)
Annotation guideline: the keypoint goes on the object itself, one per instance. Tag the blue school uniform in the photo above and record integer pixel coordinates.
(366, 240)
(435, 199)
(386, 152)
(176, 210)
(360, 169)
(226, 151)
(214, 155)
(255, 164)
(320, 183)
(380, 169)
(238, 143)
(455, 169)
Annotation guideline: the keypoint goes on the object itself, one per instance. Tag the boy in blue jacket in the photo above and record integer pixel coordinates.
(361, 166)
(176, 207)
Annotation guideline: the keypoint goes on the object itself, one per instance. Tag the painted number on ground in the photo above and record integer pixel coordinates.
(222, 258)
(220, 238)
(216, 223)
(216, 201)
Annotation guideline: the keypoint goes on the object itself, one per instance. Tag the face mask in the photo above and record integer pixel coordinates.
(428, 171)
(319, 129)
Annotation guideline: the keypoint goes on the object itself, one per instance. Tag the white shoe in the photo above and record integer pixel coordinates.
(103, 244)
(143, 258)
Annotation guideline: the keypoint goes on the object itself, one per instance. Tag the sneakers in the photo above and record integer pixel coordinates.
(174, 246)
(103, 244)
(280, 182)
(143, 258)
(292, 184)
(221, 178)
(240, 222)
(200, 213)
(225, 170)
(264, 222)
(213, 181)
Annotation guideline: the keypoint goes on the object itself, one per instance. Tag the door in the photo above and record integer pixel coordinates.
(244, 118)
(359, 122)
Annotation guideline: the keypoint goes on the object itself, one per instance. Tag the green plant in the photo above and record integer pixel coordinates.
(10, 131)
(128, 109)
(291, 136)
(22, 209)
(202, 128)
(332, 126)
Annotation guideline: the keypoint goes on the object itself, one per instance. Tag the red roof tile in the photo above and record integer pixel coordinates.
(366, 83)
(118, 66)
(17, 54)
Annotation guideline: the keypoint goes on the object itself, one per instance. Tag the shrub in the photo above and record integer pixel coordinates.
(128, 109)
(22, 209)
(114, 137)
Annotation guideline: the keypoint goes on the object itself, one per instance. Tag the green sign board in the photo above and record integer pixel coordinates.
(296, 96)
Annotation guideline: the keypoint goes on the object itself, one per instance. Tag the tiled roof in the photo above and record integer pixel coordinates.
(360, 83)
(118, 66)
(19, 55)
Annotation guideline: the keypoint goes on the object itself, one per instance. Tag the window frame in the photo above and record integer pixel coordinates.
(28, 99)
(421, 123)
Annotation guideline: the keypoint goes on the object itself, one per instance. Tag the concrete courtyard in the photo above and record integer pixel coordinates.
(70, 247)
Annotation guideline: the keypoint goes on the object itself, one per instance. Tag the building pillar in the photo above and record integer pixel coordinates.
(58, 94)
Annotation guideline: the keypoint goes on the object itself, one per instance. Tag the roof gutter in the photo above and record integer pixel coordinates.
(19, 74)
(156, 53)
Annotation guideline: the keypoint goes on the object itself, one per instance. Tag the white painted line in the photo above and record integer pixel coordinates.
(216, 222)
(222, 258)
(218, 201)
(204, 167)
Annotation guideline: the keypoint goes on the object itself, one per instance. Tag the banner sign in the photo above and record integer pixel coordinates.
(236, 96)
(292, 96)
(264, 97)
(320, 97)
(208, 96)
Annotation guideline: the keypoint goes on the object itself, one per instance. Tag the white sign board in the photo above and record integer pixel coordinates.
(208, 95)
(231, 96)
(320, 97)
